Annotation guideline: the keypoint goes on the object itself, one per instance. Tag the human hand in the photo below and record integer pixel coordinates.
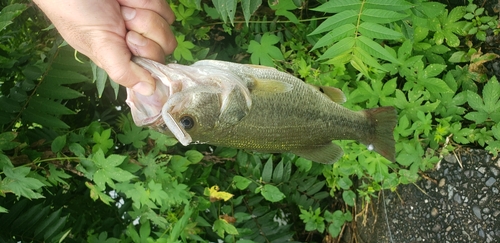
(109, 32)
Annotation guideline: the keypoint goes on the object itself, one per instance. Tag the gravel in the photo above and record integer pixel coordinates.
(457, 202)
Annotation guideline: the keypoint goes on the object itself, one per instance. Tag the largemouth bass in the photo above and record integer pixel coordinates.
(257, 108)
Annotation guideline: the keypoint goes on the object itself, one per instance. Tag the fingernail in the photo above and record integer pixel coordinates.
(136, 39)
(128, 13)
(143, 88)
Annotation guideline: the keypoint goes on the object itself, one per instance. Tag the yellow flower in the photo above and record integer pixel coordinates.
(215, 195)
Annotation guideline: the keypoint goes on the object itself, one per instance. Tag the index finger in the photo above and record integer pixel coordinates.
(159, 6)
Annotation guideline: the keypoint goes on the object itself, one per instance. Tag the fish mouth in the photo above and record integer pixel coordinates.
(146, 110)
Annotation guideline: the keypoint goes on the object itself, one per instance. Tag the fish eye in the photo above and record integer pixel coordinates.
(186, 122)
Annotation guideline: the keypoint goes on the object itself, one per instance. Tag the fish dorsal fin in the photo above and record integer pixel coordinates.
(270, 85)
(334, 94)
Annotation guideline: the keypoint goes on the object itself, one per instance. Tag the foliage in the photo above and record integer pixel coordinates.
(74, 167)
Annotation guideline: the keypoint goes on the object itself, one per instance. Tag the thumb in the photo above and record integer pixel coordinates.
(114, 57)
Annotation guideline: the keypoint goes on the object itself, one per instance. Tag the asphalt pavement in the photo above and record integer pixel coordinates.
(459, 201)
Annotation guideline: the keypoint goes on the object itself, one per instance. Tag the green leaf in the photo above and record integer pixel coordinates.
(183, 49)
(376, 31)
(267, 172)
(394, 5)
(241, 182)
(336, 35)
(242, 217)
(303, 164)
(99, 77)
(278, 173)
(381, 16)
(58, 143)
(54, 91)
(475, 100)
(6, 141)
(272, 193)
(17, 182)
(264, 52)
(102, 141)
(47, 222)
(60, 75)
(108, 170)
(179, 164)
(287, 171)
(135, 136)
(157, 193)
(375, 49)
(282, 8)
(77, 149)
(433, 70)
(226, 8)
(339, 6)
(312, 219)
(222, 227)
(162, 141)
(491, 96)
(49, 106)
(194, 156)
(56, 228)
(56, 176)
(9, 105)
(478, 117)
(226, 152)
(435, 85)
(343, 46)
(10, 12)
(337, 20)
(315, 188)
(39, 117)
(337, 220)
(349, 197)
(249, 7)
(344, 182)
(3, 210)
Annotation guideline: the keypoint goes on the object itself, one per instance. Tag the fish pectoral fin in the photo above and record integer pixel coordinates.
(325, 154)
(334, 94)
(270, 85)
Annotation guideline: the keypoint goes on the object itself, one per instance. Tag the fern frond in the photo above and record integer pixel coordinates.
(353, 28)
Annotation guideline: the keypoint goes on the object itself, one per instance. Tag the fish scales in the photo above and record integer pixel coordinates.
(308, 115)
(261, 109)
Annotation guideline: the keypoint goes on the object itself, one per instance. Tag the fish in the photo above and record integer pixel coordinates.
(257, 108)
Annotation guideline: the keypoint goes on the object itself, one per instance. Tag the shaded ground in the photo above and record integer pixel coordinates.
(457, 202)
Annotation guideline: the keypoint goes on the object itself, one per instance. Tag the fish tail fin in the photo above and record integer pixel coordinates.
(381, 139)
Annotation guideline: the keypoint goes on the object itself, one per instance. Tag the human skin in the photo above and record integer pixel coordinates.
(110, 32)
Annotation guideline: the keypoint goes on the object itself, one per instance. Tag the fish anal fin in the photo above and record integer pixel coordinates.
(325, 154)
(384, 119)
(270, 85)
